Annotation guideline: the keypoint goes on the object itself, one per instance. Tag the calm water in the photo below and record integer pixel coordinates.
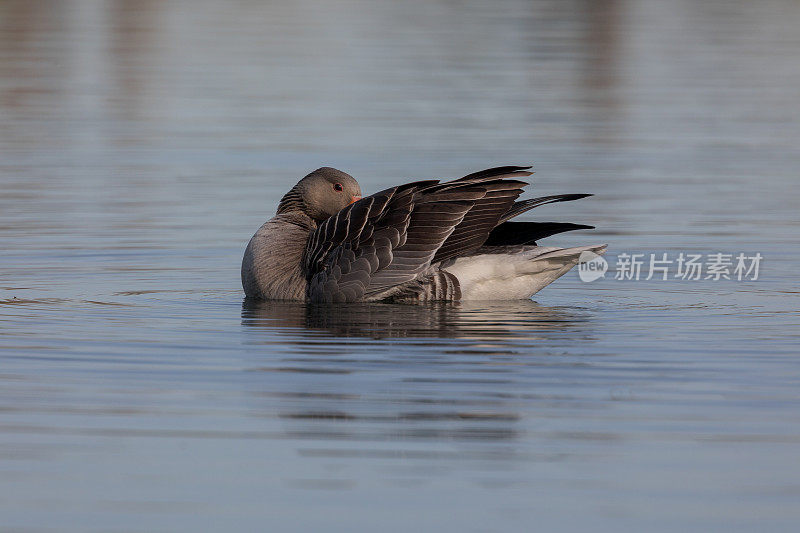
(144, 142)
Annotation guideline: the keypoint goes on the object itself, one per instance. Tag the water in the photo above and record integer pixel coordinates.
(144, 142)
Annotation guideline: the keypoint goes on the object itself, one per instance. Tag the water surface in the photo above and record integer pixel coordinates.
(144, 142)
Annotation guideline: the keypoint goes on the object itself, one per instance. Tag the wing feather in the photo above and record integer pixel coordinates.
(526, 205)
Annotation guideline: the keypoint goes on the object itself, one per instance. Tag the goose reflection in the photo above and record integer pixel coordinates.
(445, 382)
(522, 320)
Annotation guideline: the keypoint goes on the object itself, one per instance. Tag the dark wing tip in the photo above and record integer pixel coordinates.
(516, 233)
(496, 171)
(526, 205)
(559, 198)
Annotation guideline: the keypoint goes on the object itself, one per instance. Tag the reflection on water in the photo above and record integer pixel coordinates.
(416, 376)
(498, 321)
(143, 142)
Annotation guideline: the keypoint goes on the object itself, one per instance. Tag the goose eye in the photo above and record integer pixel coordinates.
(338, 187)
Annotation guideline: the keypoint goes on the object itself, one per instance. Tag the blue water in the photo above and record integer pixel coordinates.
(143, 143)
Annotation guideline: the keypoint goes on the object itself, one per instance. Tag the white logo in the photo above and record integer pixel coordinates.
(591, 266)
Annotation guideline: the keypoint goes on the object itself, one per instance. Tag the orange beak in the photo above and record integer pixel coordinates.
(355, 199)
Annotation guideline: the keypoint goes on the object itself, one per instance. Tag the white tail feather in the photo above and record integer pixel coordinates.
(515, 276)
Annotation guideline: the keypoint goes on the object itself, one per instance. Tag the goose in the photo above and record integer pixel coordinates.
(418, 242)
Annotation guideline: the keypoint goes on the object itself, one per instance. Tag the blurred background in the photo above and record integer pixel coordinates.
(143, 142)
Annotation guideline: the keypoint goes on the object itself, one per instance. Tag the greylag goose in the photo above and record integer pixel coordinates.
(417, 242)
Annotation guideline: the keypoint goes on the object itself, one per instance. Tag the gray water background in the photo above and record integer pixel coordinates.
(144, 142)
